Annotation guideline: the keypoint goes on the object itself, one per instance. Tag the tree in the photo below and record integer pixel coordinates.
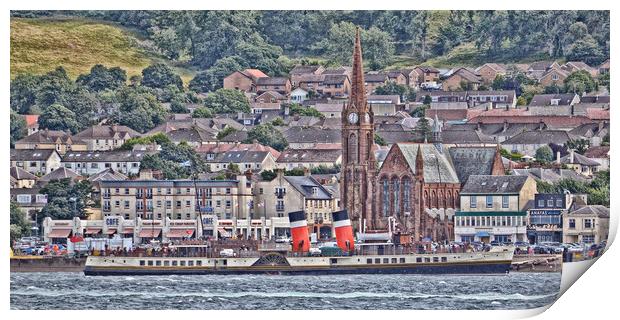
(159, 138)
(19, 224)
(379, 140)
(579, 145)
(378, 48)
(24, 89)
(603, 80)
(227, 101)
(160, 75)
(268, 175)
(296, 109)
(392, 88)
(580, 82)
(101, 78)
(202, 112)
(585, 48)
(544, 154)
(277, 122)
(295, 172)
(18, 127)
(178, 106)
(424, 127)
(427, 100)
(266, 134)
(419, 112)
(225, 132)
(213, 78)
(57, 117)
(66, 199)
(139, 109)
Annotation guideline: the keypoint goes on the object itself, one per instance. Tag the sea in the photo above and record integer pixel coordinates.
(271, 292)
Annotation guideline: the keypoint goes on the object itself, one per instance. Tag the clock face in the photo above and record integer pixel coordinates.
(353, 118)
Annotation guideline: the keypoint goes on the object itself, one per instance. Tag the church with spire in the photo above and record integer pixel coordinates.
(416, 188)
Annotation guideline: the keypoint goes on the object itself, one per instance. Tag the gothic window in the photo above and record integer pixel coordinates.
(440, 200)
(433, 199)
(449, 201)
(352, 152)
(396, 193)
(427, 204)
(406, 194)
(385, 197)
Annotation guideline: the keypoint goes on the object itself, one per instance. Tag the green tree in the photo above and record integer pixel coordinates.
(295, 172)
(392, 88)
(54, 87)
(379, 140)
(580, 82)
(423, 127)
(101, 78)
(296, 109)
(579, 145)
(160, 75)
(139, 109)
(20, 226)
(544, 154)
(202, 112)
(266, 134)
(159, 138)
(213, 78)
(57, 117)
(268, 175)
(277, 122)
(227, 101)
(225, 132)
(378, 48)
(178, 106)
(18, 127)
(603, 80)
(66, 199)
(24, 89)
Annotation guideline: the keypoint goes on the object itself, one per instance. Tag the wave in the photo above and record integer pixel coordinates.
(222, 296)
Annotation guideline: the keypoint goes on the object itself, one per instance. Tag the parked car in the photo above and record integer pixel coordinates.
(228, 253)
(283, 239)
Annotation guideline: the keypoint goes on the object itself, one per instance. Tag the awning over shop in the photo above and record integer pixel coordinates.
(92, 230)
(223, 232)
(482, 234)
(59, 233)
(180, 233)
(127, 230)
(112, 231)
(149, 233)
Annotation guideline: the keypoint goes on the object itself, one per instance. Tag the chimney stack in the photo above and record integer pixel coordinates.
(557, 157)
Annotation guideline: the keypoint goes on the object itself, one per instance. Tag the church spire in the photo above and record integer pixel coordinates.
(358, 90)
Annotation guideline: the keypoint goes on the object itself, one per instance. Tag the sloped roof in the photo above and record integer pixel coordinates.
(597, 152)
(545, 99)
(299, 134)
(335, 79)
(309, 155)
(437, 167)
(540, 137)
(31, 119)
(31, 155)
(254, 73)
(579, 159)
(106, 132)
(47, 136)
(21, 174)
(465, 136)
(105, 156)
(60, 173)
(470, 161)
(107, 175)
(488, 184)
(243, 156)
(596, 210)
(272, 81)
(306, 184)
(301, 69)
(375, 77)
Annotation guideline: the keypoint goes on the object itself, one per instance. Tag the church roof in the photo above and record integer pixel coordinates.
(469, 161)
(437, 167)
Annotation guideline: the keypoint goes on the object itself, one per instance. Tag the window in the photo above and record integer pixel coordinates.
(174, 263)
(368, 261)
(550, 203)
(489, 202)
(472, 201)
(188, 203)
(541, 203)
(228, 204)
(377, 260)
(126, 204)
(587, 238)
(505, 201)
(587, 223)
(166, 263)
(168, 204)
(386, 197)
(558, 203)
(178, 204)
(158, 263)
(402, 260)
(396, 194)
(227, 190)
(126, 191)
(150, 262)
(23, 198)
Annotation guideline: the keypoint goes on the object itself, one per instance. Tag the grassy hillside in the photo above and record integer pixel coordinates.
(41, 45)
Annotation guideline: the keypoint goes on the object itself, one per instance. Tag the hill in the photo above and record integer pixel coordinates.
(40, 45)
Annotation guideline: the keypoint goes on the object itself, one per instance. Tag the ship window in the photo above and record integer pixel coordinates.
(418, 259)
(402, 260)
(150, 263)
(141, 262)
(182, 263)
(386, 260)
(225, 262)
(394, 260)
(427, 259)
(444, 259)
(198, 262)
(174, 263)
(377, 260)
(368, 261)
(158, 263)
(166, 263)
(435, 259)
(190, 263)
(333, 260)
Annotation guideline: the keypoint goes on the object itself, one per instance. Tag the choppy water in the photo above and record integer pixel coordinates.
(76, 291)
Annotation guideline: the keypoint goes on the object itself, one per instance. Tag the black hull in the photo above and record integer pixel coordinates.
(488, 268)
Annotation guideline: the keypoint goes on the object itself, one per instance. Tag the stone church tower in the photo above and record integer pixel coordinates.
(357, 187)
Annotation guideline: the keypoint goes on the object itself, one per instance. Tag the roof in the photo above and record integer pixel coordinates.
(237, 136)
(254, 73)
(105, 156)
(437, 167)
(310, 155)
(555, 121)
(192, 134)
(301, 69)
(306, 185)
(487, 184)
(60, 173)
(495, 66)
(375, 77)
(108, 174)
(241, 156)
(21, 174)
(597, 152)
(224, 147)
(339, 70)
(447, 114)
(595, 99)
(311, 77)
(428, 69)
(545, 99)
(592, 210)
(107, 132)
(334, 79)
(47, 136)
(541, 65)
(272, 81)
(300, 134)
(31, 155)
(328, 107)
(579, 159)
(466, 74)
(274, 94)
(549, 175)
(377, 99)
(468, 161)
(31, 119)
(540, 137)
(465, 136)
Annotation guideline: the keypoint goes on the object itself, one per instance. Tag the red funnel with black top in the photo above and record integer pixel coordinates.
(344, 230)
(299, 231)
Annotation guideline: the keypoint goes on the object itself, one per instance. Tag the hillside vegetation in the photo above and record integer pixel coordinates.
(40, 45)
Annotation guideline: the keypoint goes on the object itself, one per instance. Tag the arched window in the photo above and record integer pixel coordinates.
(457, 200)
(433, 199)
(386, 197)
(449, 200)
(406, 194)
(352, 149)
(396, 196)
(440, 200)
(426, 203)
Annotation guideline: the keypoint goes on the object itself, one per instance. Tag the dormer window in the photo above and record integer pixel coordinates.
(555, 102)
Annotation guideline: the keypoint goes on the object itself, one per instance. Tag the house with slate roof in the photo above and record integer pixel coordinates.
(37, 162)
(50, 139)
(106, 137)
(245, 159)
(309, 158)
(494, 209)
(93, 162)
(21, 178)
(528, 142)
(581, 164)
(586, 224)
